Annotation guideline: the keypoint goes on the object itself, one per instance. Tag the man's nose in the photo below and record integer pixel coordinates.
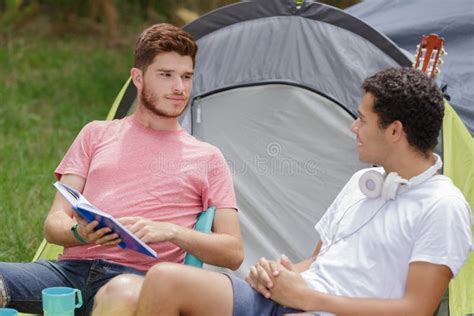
(178, 85)
(355, 126)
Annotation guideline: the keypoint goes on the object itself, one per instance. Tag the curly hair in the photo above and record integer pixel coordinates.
(161, 38)
(409, 96)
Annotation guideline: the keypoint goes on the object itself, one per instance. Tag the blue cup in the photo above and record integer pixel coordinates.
(8, 312)
(61, 301)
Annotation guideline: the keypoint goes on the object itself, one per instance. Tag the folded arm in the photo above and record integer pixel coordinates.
(426, 284)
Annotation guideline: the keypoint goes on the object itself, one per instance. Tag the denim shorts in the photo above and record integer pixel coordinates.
(248, 302)
(21, 283)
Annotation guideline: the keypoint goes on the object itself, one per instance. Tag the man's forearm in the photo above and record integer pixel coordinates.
(216, 249)
(57, 230)
(311, 300)
(305, 264)
(58, 223)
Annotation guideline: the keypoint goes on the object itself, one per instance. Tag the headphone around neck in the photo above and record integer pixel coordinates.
(374, 184)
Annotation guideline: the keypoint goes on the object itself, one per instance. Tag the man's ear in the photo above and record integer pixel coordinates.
(137, 77)
(396, 130)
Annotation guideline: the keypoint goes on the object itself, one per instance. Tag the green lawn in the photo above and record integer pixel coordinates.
(49, 88)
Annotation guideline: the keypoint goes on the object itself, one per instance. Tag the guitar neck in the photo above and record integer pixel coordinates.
(429, 54)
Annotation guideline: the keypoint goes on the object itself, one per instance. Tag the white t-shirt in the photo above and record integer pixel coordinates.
(368, 244)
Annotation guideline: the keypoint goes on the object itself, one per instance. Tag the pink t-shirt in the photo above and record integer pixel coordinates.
(132, 170)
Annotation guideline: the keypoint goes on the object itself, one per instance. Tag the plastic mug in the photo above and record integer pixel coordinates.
(8, 312)
(61, 301)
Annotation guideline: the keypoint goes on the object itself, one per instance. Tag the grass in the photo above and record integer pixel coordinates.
(49, 89)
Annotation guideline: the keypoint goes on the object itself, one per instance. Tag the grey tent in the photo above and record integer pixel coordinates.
(276, 88)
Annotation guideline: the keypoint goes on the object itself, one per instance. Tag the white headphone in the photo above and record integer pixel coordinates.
(374, 184)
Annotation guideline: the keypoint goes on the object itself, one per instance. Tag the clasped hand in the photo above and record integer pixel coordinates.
(278, 280)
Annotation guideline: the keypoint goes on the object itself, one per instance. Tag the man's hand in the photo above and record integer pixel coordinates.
(149, 231)
(287, 283)
(260, 277)
(102, 236)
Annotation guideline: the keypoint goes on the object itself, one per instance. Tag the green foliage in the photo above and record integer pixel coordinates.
(48, 90)
(15, 13)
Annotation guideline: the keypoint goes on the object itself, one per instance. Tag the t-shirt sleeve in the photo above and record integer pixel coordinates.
(324, 224)
(443, 235)
(220, 187)
(77, 158)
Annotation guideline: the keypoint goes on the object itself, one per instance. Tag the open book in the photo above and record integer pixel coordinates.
(91, 213)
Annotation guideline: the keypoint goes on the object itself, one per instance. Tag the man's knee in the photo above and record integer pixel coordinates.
(168, 277)
(166, 272)
(123, 289)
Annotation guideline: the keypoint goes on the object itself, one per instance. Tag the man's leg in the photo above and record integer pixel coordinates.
(21, 284)
(174, 289)
(119, 296)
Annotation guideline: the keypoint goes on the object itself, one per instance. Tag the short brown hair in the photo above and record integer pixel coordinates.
(161, 38)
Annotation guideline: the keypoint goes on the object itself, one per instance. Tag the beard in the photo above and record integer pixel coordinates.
(151, 102)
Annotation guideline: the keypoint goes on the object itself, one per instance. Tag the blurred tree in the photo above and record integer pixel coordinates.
(65, 16)
(107, 17)
(16, 13)
(179, 13)
(107, 10)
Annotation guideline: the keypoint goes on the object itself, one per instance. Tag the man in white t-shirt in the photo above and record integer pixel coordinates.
(390, 243)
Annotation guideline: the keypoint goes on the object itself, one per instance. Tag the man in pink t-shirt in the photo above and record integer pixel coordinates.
(147, 172)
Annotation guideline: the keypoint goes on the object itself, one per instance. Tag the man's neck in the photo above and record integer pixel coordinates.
(151, 120)
(409, 164)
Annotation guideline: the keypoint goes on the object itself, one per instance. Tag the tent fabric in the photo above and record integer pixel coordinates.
(259, 9)
(316, 46)
(234, 63)
(123, 101)
(405, 21)
(275, 140)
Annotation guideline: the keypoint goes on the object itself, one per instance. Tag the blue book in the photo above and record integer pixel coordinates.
(90, 213)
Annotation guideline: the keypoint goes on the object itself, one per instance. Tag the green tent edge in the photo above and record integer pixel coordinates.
(458, 156)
